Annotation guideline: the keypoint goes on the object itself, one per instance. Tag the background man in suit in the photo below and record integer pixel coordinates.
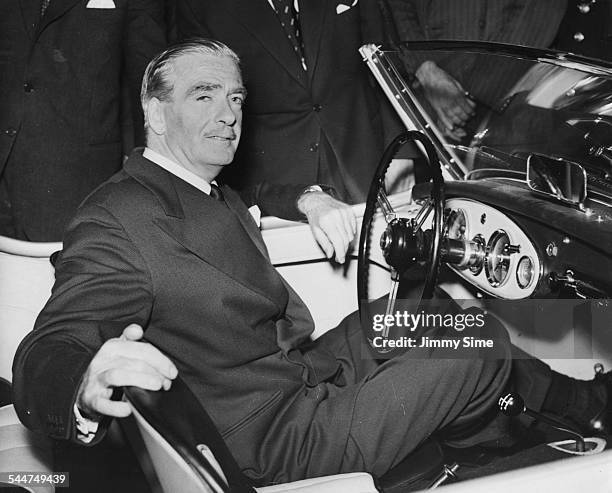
(313, 115)
(62, 63)
(451, 84)
(157, 246)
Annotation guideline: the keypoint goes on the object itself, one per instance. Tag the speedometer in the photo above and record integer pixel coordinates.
(497, 264)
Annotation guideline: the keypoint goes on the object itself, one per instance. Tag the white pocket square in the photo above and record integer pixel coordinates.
(256, 213)
(101, 4)
(342, 7)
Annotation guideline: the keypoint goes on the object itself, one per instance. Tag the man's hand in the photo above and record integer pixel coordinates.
(123, 361)
(451, 102)
(332, 222)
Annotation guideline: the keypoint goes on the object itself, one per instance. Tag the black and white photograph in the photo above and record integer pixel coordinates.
(314, 246)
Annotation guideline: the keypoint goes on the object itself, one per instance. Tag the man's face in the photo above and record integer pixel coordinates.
(203, 117)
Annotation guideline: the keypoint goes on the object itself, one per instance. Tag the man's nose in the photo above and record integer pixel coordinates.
(226, 113)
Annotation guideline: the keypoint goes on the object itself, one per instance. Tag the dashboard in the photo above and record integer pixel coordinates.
(518, 245)
(505, 262)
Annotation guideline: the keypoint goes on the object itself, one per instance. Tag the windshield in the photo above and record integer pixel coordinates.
(491, 111)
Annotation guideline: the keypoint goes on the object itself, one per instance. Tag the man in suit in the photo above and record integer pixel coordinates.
(156, 247)
(313, 114)
(62, 63)
(450, 83)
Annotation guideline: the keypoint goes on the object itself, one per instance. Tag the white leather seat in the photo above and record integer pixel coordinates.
(26, 278)
(22, 450)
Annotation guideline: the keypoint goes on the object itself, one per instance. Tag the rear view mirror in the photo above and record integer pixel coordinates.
(563, 180)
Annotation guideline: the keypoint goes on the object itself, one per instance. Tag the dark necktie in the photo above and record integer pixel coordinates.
(216, 193)
(43, 7)
(291, 25)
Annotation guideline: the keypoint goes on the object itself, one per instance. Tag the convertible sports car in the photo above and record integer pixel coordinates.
(527, 190)
(513, 214)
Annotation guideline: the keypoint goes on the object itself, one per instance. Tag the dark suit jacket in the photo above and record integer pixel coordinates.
(522, 22)
(60, 132)
(149, 248)
(295, 120)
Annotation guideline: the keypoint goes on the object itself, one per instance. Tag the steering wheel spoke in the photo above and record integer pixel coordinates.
(423, 214)
(385, 205)
(395, 278)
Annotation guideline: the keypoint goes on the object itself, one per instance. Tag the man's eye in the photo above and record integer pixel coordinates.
(203, 98)
(238, 100)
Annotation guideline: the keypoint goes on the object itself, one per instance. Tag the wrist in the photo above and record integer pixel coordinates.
(307, 194)
(312, 191)
(86, 425)
(425, 70)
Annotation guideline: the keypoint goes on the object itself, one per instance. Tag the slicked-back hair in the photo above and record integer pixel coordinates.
(156, 82)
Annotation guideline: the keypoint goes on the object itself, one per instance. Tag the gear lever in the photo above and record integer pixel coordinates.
(512, 404)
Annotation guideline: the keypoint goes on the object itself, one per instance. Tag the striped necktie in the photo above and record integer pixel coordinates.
(216, 193)
(290, 23)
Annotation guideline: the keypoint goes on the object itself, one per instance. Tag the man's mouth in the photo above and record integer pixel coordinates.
(223, 138)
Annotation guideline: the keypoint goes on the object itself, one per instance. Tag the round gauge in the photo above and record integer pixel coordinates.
(456, 225)
(525, 272)
(498, 258)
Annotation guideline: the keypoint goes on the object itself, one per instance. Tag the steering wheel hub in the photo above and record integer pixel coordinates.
(403, 244)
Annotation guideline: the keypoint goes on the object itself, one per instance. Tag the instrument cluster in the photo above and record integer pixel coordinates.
(491, 251)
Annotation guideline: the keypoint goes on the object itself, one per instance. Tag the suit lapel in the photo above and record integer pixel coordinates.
(207, 228)
(258, 17)
(312, 18)
(212, 231)
(244, 216)
(55, 9)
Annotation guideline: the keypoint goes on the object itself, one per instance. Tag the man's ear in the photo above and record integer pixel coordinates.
(155, 118)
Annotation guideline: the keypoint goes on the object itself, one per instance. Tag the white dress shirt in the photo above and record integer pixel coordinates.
(177, 170)
(191, 178)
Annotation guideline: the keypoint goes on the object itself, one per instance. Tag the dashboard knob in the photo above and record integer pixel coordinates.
(511, 404)
(510, 249)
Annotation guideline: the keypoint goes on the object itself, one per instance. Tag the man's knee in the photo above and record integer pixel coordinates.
(485, 373)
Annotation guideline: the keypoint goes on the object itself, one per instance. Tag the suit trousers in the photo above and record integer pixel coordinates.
(401, 401)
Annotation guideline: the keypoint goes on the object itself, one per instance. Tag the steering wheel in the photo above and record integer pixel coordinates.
(405, 244)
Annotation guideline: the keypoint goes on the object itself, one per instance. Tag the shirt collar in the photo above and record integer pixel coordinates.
(177, 170)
